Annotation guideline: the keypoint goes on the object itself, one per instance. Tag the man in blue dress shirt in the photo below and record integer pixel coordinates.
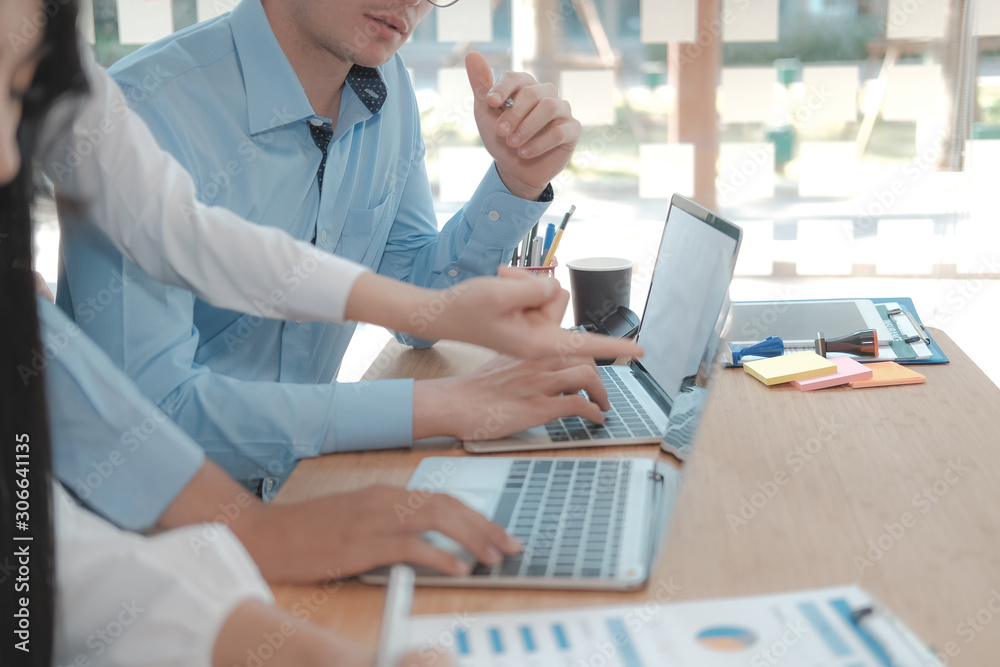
(299, 114)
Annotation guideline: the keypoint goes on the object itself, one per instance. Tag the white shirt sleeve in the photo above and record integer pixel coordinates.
(124, 599)
(100, 155)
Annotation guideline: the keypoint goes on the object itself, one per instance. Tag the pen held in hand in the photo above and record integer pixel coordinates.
(395, 617)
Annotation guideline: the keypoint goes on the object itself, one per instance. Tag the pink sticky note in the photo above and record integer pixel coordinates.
(848, 370)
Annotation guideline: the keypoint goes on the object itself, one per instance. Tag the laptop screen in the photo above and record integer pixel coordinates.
(681, 324)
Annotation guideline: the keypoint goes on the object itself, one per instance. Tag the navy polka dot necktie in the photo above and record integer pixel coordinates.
(321, 135)
(368, 86)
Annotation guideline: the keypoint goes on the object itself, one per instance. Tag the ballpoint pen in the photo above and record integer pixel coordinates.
(525, 251)
(559, 234)
(536, 251)
(550, 234)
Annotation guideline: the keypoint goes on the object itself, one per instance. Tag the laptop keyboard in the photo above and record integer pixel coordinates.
(626, 419)
(569, 514)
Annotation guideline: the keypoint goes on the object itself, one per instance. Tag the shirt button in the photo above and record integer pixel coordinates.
(322, 237)
(268, 485)
(316, 122)
(493, 215)
(453, 273)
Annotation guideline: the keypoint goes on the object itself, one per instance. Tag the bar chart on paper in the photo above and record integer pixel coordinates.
(837, 627)
(527, 639)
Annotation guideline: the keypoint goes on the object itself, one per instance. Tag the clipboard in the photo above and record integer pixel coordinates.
(908, 313)
(896, 321)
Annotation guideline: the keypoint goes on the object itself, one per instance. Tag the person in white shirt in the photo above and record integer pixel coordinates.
(124, 599)
(143, 199)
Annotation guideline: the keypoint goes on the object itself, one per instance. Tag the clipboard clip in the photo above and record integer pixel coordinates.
(922, 334)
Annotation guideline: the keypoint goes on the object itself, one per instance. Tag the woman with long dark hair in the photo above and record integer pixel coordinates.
(157, 601)
(25, 483)
(108, 597)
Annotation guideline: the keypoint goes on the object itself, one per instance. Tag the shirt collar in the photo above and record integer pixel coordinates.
(274, 95)
(268, 76)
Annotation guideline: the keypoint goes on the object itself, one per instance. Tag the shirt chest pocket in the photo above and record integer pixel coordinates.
(365, 232)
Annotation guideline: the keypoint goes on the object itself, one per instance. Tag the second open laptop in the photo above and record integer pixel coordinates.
(654, 398)
(598, 523)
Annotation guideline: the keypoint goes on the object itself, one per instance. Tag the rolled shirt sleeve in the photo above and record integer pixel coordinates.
(118, 452)
(474, 242)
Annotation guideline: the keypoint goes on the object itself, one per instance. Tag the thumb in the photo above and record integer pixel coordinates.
(480, 75)
(531, 294)
(506, 271)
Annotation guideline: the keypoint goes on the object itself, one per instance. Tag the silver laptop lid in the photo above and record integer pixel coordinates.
(686, 307)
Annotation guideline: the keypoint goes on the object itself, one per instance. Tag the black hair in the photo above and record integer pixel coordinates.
(25, 454)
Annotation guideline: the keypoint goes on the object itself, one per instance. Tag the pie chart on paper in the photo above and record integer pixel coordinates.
(727, 638)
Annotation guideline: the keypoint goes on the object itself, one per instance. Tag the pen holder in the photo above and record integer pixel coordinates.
(545, 271)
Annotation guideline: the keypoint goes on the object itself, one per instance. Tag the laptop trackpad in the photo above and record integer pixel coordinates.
(481, 500)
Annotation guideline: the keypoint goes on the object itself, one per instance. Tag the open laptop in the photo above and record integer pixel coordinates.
(597, 523)
(653, 398)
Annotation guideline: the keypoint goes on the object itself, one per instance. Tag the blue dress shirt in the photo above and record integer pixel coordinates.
(111, 446)
(256, 393)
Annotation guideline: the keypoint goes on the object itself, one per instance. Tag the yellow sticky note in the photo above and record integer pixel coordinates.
(788, 367)
(889, 373)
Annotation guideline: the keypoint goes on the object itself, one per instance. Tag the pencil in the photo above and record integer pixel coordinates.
(559, 234)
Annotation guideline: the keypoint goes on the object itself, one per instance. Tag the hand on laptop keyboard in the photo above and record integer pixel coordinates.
(350, 533)
(506, 396)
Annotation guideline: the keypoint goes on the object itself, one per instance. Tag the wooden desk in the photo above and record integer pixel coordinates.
(821, 477)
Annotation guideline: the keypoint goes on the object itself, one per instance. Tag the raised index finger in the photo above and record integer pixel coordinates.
(598, 346)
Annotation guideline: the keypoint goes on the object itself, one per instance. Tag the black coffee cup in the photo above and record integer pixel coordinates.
(599, 285)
